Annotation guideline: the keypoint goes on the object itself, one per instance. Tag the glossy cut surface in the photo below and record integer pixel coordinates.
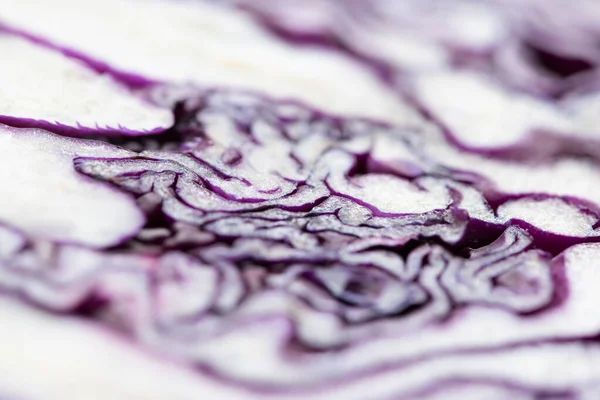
(361, 200)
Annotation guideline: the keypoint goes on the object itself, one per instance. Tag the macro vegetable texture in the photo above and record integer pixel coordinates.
(320, 199)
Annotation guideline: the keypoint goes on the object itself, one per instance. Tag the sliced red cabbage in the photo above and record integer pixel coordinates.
(423, 301)
(43, 88)
(285, 279)
(383, 192)
(536, 128)
(147, 377)
(48, 199)
(481, 114)
(522, 44)
(215, 47)
(495, 178)
(140, 293)
(118, 370)
(551, 215)
(412, 35)
(529, 372)
(315, 240)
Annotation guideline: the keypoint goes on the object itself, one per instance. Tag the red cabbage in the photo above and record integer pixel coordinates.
(79, 100)
(299, 200)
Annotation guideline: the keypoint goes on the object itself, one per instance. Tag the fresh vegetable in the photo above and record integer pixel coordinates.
(299, 200)
(78, 101)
